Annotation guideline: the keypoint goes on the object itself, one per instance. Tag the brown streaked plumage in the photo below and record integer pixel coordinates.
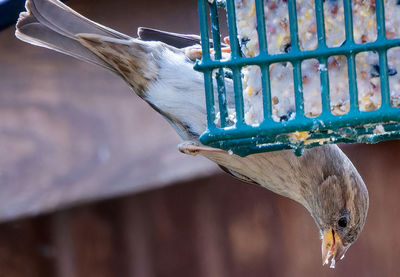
(323, 180)
(133, 61)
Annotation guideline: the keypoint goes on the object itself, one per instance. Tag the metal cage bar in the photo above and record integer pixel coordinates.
(344, 50)
(383, 65)
(263, 49)
(216, 36)
(294, 41)
(205, 45)
(236, 69)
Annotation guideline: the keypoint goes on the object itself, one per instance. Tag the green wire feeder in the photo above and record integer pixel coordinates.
(243, 139)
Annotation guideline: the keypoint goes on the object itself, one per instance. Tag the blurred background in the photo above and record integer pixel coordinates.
(92, 184)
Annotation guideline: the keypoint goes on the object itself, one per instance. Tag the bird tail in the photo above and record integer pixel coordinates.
(53, 25)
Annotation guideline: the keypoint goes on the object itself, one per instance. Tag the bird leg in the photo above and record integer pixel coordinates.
(194, 148)
(195, 52)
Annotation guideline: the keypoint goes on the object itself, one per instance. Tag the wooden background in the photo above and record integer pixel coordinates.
(72, 134)
(214, 226)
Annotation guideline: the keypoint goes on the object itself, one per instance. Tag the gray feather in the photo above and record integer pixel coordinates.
(59, 17)
(173, 39)
(51, 24)
(238, 176)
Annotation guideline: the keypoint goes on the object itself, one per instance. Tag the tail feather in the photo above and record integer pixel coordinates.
(51, 24)
(59, 17)
(36, 33)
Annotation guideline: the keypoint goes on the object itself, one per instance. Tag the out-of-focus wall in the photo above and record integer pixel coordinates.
(215, 226)
(73, 132)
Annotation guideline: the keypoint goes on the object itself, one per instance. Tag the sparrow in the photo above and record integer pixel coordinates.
(158, 66)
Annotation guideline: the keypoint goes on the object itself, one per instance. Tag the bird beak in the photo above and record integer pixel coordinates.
(332, 246)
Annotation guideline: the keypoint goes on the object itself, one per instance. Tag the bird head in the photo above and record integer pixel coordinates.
(339, 206)
(323, 180)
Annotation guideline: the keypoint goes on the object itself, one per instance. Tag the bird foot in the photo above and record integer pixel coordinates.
(194, 148)
(195, 52)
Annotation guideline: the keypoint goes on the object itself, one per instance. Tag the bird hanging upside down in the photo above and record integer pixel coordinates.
(323, 180)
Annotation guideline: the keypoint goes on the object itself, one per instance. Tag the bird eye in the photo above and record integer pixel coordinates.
(342, 222)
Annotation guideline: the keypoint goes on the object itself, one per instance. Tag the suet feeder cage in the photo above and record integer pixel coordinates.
(243, 139)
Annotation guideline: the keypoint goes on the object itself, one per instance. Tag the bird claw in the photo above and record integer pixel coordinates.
(189, 148)
(195, 52)
(194, 148)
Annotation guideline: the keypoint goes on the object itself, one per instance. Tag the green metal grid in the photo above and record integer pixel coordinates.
(243, 139)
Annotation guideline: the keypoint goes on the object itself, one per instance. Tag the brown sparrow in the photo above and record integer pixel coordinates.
(323, 180)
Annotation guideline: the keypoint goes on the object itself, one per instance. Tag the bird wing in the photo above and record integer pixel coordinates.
(238, 176)
(193, 148)
(173, 39)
